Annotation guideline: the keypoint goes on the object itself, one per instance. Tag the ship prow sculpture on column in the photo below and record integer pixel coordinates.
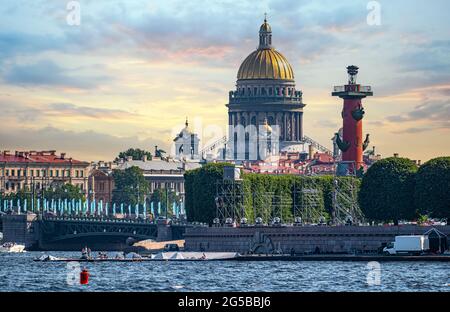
(351, 143)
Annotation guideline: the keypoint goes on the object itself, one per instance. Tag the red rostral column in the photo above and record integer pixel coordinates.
(351, 144)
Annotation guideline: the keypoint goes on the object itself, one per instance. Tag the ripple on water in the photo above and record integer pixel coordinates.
(19, 273)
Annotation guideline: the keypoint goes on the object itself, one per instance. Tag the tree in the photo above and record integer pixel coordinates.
(201, 188)
(135, 153)
(387, 190)
(65, 191)
(131, 187)
(164, 197)
(432, 194)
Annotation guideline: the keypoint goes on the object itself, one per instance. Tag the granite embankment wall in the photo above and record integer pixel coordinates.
(20, 229)
(331, 239)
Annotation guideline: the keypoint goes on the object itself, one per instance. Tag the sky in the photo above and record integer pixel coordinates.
(132, 70)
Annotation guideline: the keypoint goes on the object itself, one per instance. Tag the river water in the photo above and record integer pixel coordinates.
(19, 273)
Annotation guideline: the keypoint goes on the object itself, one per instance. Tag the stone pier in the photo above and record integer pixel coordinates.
(301, 239)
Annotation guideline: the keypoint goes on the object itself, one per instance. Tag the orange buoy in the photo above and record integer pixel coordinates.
(84, 277)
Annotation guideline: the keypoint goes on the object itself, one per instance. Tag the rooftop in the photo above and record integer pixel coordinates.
(158, 164)
(37, 157)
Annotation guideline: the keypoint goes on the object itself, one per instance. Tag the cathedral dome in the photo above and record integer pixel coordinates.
(265, 62)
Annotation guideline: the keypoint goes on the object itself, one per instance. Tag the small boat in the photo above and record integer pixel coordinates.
(194, 256)
(12, 247)
(47, 258)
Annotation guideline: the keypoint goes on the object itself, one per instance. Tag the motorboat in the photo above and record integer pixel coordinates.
(12, 247)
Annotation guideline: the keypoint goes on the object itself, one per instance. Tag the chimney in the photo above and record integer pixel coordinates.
(396, 155)
(63, 155)
(156, 149)
(311, 151)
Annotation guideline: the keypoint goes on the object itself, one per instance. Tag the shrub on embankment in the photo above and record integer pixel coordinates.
(262, 194)
(432, 192)
(387, 190)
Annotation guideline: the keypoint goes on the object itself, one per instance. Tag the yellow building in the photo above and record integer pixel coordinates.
(39, 170)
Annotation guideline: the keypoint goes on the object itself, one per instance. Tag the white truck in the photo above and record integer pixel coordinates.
(412, 244)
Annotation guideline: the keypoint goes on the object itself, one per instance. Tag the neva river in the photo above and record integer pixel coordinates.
(19, 273)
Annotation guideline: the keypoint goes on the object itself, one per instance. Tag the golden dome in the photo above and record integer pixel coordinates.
(265, 27)
(266, 64)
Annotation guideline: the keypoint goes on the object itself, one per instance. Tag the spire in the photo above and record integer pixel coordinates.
(187, 122)
(265, 35)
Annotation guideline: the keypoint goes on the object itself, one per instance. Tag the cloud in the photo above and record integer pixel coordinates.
(48, 73)
(87, 145)
(89, 112)
(438, 111)
(46, 112)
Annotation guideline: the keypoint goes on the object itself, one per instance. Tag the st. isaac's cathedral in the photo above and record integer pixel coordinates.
(265, 97)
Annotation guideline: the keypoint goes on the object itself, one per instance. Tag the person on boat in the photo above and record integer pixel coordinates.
(203, 257)
(84, 253)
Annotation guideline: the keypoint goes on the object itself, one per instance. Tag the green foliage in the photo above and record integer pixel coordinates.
(130, 186)
(432, 195)
(387, 190)
(66, 191)
(260, 193)
(136, 153)
(201, 188)
(164, 197)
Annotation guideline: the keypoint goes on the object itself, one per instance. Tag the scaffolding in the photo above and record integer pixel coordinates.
(305, 200)
(229, 200)
(308, 200)
(345, 207)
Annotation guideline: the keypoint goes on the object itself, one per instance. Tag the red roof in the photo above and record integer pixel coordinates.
(38, 157)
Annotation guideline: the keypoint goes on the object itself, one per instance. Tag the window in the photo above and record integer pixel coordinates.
(57, 173)
(81, 173)
(32, 172)
(68, 173)
(77, 173)
(38, 173)
(7, 173)
(13, 173)
(51, 173)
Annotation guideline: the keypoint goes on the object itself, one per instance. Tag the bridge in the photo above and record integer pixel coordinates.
(40, 232)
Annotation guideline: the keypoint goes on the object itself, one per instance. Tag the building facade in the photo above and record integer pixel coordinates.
(101, 182)
(265, 95)
(36, 171)
(161, 174)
